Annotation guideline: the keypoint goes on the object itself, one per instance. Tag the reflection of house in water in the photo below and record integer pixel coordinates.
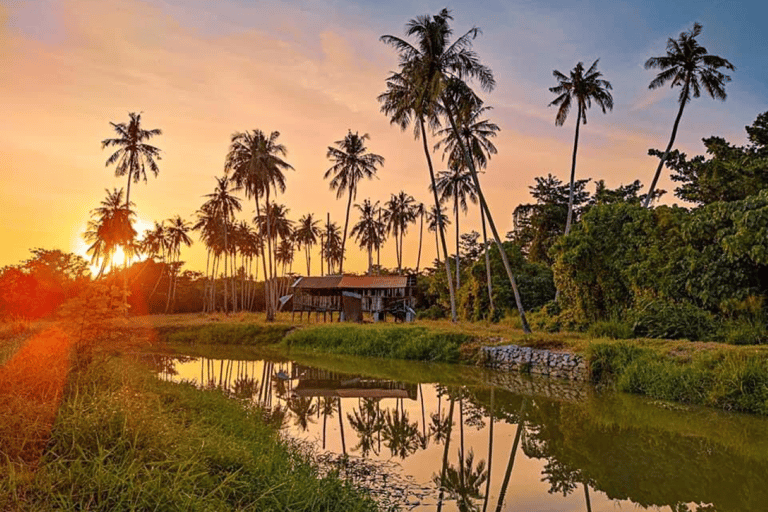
(355, 295)
(316, 382)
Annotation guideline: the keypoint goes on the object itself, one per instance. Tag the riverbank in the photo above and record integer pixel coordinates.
(118, 438)
(729, 377)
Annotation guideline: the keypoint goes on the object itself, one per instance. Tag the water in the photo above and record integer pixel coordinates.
(515, 443)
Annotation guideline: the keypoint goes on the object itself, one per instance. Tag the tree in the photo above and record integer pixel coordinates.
(306, 236)
(135, 155)
(368, 230)
(581, 87)
(687, 65)
(433, 224)
(223, 204)
(456, 185)
(110, 228)
(257, 165)
(399, 212)
(351, 163)
(177, 234)
(420, 211)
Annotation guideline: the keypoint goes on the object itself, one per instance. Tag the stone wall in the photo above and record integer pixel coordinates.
(563, 365)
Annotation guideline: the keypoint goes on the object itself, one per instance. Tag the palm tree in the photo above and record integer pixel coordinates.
(177, 234)
(306, 236)
(332, 246)
(399, 212)
(433, 223)
(154, 244)
(257, 165)
(420, 211)
(477, 133)
(351, 164)
(110, 228)
(222, 204)
(367, 231)
(688, 65)
(414, 93)
(134, 155)
(212, 236)
(581, 87)
(456, 185)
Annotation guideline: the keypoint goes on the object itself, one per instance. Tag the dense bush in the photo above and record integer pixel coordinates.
(659, 318)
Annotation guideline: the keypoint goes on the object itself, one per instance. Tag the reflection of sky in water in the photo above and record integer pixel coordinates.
(526, 491)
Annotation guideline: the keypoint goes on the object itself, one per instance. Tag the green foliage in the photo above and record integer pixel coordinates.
(224, 334)
(124, 440)
(614, 329)
(395, 342)
(659, 318)
(727, 380)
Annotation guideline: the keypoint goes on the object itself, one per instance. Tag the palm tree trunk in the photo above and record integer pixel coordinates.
(456, 207)
(490, 456)
(484, 205)
(268, 278)
(226, 262)
(341, 427)
(263, 256)
(370, 260)
(444, 466)
(344, 240)
(573, 173)
(586, 498)
(439, 219)
(651, 190)
(128, 189)
(487, 265)
(421, 235)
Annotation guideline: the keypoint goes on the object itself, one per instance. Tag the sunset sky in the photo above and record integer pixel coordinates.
(201, 70)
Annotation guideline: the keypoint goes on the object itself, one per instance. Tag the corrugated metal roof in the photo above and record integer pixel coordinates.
(373, 282)
(317, 282)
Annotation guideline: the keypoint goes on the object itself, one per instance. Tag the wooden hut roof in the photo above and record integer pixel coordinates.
(362, 282)
(317, 282)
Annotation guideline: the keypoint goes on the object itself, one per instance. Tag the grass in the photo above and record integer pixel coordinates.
(124, 440)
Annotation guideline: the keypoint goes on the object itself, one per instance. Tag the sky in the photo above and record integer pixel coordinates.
(312, 70)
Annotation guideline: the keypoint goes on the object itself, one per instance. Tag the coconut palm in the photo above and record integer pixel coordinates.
(581, 87)
(401, 436)
(110, 229)
(433, 224)
(367, 421)
(177, 234)
(399, 212)
(134, 155)
(368, 230)
(331, 250)
(212, 235)
(223, 204)
(477, 133)
(688, 65)
(306, 236)
(464, 483)
(420, 211)
(257, 165)
(351, 163)
(456, 185)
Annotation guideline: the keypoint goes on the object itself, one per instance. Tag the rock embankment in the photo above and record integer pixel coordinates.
(535, 361)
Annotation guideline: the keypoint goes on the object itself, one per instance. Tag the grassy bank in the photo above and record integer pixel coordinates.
(124, 440)
(719, 375)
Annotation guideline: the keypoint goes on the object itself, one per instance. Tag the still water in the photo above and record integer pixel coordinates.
(495, 441)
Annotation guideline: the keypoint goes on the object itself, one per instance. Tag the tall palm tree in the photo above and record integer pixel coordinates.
(420, 211)
(212, 235)
(477, 133)
(398, 214)
(134, 155)
(688, 65)
(456, 185)
(257, 165)
(177, 234)
(581, 87)
(306, 236)
(331, 250)
(223, 205)
(413, 93)
(434, 221)
(368, 230)
(351, 163)
(110, 228)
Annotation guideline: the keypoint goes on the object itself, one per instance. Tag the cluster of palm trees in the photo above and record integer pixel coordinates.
(431, 93)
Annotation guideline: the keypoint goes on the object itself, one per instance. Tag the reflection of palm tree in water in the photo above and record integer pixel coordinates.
(439, 427)
(327, 406)
(400, 435)
(302, 408)
(244, 387)
(511, 464)
(463, 483)
(367, 421)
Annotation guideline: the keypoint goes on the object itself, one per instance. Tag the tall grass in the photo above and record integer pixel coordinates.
(224, 334)
(124, 440)
(396, 342)
(729, 380)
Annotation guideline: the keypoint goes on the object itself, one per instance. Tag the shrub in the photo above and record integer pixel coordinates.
(660, 318)
(614, 329)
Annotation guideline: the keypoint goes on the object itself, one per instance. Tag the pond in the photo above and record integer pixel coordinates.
(496, 441)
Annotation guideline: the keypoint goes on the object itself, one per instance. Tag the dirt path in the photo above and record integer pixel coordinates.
(31, 386)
